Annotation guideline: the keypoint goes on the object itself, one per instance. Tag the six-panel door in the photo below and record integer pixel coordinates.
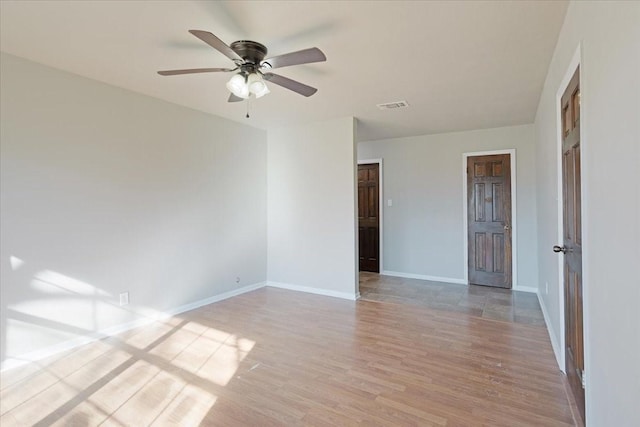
(489, 220)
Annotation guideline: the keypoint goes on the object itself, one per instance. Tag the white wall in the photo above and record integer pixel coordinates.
(423, 230)
(106, 191)
(311, 207)
(609, 33)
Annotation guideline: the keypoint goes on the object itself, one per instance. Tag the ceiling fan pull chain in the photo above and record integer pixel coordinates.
(248, 99)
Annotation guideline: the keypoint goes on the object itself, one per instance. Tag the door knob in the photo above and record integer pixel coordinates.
(506, 227)
(562, 249)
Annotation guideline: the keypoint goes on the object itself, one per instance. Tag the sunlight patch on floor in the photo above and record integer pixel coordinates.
(165, 373)
(223, 364)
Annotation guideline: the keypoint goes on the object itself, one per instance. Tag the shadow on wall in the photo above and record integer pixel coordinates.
(48, 311)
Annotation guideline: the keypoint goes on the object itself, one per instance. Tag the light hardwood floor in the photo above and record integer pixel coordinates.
(277, 357)
(482, 301)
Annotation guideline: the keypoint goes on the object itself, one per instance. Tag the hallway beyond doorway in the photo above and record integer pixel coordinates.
(481, 301)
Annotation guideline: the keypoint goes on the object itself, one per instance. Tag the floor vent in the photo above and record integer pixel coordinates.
(393, 105)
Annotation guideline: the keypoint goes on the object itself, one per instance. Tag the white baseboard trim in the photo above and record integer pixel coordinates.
(215, 298)
(33, 356)
(424, 277)
(530, 289)
(552, 334)
(344, 295)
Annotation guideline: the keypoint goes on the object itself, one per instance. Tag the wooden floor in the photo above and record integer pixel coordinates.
(277, 357)
(482, 301)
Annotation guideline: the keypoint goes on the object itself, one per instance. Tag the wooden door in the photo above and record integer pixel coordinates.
(368, 217)
(489, 220)
(572, 240)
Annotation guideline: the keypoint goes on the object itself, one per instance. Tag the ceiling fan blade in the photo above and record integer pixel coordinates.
(293, 85)
(217, 44)
(193, 71)
(305, 56)
(233, 98)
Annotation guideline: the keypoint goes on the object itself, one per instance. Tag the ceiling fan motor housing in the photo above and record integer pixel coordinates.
(252, 52)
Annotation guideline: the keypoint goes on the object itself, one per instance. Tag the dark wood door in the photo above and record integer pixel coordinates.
(572, 240)
(368, 217)
(489, 220)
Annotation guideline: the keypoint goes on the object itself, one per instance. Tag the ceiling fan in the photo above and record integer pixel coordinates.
(248, 58)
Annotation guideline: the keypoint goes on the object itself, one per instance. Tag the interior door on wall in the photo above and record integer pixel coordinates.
(572, 240)
(489, 220)
(368, 217)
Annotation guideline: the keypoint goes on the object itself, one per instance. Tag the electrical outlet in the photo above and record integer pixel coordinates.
(124, 298)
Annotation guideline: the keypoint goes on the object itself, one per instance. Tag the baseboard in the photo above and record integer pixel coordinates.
(530, 289)
(317, 291)
(33, 356)
(552, 334)
(215, 298)
(424, 277)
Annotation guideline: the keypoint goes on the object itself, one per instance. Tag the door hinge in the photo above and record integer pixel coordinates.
(583, 378)
(467, 170)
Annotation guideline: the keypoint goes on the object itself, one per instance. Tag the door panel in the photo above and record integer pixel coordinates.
(572, 242)
(489, 220)
(478, 202)
(498, 253)
(497, 202)
(368, 217)
(481, 255)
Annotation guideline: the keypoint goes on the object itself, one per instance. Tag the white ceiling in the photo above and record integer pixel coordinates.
(459, 65)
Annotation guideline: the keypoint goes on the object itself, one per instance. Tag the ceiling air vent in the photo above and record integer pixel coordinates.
(393, 105)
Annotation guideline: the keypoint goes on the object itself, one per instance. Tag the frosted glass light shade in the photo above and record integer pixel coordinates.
(238, 86)
(257, 86)
(261, 91)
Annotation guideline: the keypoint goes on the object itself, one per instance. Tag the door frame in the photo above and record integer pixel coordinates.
(380, 208)
(514, 226)
(576, 62)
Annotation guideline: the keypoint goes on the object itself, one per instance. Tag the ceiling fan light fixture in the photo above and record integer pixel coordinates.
(256, 84)
(238, 86)
(249, 60)
(262, 92)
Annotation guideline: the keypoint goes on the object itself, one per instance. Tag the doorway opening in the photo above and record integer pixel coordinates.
(370, 215)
